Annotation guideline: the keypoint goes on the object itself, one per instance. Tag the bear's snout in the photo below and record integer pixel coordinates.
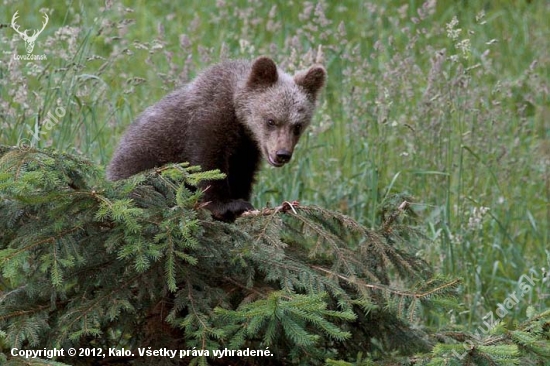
(280, 158)
(283, 156)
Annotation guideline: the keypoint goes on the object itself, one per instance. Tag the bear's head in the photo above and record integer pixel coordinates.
(277, 107)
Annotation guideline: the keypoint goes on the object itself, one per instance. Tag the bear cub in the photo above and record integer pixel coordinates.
(227, 118)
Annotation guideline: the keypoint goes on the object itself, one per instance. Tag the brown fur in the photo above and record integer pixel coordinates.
(226, 119)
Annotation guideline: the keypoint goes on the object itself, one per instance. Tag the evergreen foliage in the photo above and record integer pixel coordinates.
(137, 264)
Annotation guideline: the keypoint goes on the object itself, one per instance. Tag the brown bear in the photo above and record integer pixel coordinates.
(227, 118)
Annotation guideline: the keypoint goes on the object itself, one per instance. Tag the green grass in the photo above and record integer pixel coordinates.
(468, 131)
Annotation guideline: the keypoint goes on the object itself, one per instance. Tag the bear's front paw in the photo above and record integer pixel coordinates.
(229, 211)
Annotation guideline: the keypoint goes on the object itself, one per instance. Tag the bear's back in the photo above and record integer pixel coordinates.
(173, 129)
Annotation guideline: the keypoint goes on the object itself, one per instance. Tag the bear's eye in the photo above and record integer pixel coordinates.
(297, 129)
(270, 122)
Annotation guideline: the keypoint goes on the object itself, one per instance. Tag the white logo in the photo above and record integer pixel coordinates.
(29, 40)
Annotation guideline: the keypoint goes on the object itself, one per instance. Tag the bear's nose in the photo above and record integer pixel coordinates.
(283, 156)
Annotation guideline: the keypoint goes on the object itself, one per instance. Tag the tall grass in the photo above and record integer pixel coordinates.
(447, 103)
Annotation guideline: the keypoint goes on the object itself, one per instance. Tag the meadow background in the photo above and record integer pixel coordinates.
(444, 103)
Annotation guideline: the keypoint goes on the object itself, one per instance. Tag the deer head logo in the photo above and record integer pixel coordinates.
(29, 40)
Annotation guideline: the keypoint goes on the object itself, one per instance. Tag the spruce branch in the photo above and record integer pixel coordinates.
(141, 257)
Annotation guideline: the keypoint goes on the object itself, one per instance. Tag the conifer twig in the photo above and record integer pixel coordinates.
(359, 282)
(285, 207)
(394, 215)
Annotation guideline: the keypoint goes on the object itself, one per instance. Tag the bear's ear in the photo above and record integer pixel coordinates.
(264, 73)
(312, 79)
